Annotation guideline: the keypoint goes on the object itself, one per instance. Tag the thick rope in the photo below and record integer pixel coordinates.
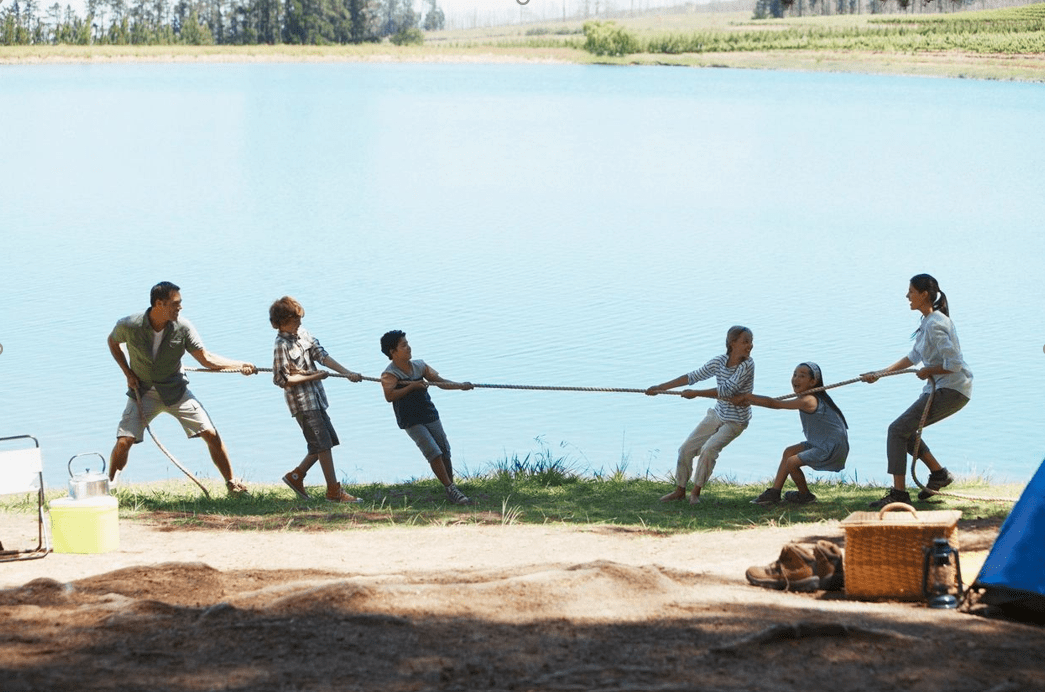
(843, 383)
(548, 388)
(528, 387)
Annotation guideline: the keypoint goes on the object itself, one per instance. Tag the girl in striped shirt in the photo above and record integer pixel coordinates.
(734, 374)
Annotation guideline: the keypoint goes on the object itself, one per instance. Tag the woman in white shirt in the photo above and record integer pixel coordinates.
(936, 347)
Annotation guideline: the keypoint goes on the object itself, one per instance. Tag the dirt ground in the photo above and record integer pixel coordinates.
(480, 608)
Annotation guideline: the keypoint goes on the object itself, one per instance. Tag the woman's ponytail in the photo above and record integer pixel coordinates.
(924, 283)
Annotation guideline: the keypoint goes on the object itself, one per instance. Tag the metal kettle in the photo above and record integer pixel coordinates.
(88, 484)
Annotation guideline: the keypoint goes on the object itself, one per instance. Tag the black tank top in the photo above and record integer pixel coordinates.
(415, 408)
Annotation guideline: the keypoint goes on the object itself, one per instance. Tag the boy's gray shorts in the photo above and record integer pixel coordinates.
(319, 431)
(430, 439)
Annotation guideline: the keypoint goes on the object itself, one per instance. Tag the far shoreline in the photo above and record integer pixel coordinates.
(954, 65)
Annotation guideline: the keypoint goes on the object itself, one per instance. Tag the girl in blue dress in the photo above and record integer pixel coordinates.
(827, 441)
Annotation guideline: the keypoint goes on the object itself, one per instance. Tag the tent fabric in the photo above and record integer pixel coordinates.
(1013, 575)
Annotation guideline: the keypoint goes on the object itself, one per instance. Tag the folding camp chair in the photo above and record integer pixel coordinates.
(22, 471)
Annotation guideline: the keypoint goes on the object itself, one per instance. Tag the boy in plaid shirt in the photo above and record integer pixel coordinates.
(294, 369)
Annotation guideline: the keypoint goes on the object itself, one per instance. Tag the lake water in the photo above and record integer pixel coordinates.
(524, 224)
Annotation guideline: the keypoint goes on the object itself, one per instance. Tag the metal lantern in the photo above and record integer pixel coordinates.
(939, 574)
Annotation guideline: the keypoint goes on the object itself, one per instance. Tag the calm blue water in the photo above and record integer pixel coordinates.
(558, 225)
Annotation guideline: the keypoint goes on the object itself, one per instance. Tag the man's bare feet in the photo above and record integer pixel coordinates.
(694, 498)
(676, 494)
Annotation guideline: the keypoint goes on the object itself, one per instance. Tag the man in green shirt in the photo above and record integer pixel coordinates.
(155, 341)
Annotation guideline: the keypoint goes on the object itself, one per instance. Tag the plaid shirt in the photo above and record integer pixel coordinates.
(296, 354)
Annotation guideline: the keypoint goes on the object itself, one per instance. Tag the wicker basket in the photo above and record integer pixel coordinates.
(885, 550)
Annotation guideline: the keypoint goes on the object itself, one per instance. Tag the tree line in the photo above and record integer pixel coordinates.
(217, 22)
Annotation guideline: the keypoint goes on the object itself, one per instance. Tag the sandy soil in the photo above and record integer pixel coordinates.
(479, 607)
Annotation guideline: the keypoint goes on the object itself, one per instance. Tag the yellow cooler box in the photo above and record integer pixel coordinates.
(90, 525)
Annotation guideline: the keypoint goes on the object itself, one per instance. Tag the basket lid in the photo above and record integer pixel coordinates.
(902, 514)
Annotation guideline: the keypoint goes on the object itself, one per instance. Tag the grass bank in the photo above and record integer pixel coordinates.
(1004, 44)
(527, 492)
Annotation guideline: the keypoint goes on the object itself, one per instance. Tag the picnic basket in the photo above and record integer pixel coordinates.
(885, 550)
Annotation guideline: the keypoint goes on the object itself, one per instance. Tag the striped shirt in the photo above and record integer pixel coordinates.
(297, 354)
(730, 382)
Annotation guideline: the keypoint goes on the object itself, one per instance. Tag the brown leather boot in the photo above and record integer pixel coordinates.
(829, 565)
(792, 572)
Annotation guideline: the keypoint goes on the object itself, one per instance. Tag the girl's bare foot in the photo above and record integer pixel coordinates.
(694, 497)
(676, 494)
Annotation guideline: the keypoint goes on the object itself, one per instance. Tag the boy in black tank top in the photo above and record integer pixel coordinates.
(405, 384)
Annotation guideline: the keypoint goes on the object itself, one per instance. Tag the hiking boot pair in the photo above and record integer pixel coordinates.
(791, 572)
(771, 496)
(892, 496)
(801, 568)
(454, 494)
(937, 479)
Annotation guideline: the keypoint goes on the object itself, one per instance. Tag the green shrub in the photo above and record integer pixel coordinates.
(607, 38)
(411, 36)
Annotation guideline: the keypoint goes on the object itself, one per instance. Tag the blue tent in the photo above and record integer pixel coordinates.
(1013, 577)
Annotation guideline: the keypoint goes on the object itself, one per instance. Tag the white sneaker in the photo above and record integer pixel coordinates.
(115, 482)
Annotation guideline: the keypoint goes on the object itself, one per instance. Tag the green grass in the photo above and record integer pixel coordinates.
(535, 489)
(1011, 31)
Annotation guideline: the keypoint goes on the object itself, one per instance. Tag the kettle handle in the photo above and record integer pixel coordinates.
(85, 454)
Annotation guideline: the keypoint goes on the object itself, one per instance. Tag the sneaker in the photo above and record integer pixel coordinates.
(937, 479)
(797, 498)
(297, 483)
(454, 494)
(337, 494)
(770, 496)
(236, 488)
(115, 482)
(892, 496)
